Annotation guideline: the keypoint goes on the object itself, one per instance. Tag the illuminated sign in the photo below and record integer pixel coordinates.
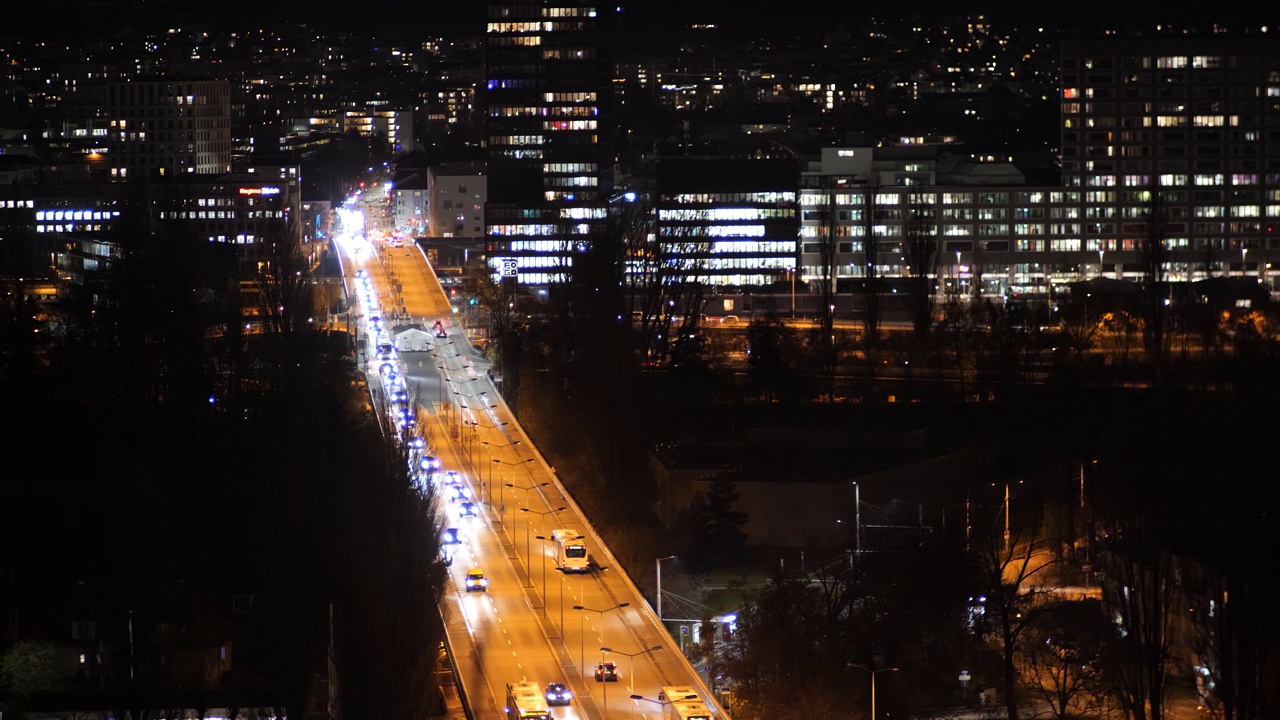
(259, 191)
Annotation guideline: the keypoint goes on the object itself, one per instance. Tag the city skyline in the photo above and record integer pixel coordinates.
(376, 18)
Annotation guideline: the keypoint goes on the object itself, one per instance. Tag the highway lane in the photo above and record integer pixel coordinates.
(523, 627)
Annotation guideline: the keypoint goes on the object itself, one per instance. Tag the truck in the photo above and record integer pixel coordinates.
(571, 550)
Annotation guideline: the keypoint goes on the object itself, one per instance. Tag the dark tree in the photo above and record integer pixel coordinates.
(870, 280)
(1152, 259)
(767, 365)
(825, 333)
(716, 525)
(1012, 563)
(1062, 657)
(920, 246)
(1138, 590)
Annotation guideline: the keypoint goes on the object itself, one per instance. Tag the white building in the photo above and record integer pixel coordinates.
(458, 192)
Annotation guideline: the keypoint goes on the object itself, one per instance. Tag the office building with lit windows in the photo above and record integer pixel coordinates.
(168, 127)
(1193, 122)
(549, 145)
(728, 221)
(80, 223)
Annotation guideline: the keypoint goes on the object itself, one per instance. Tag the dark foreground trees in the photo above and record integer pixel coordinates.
(174, 465)
(816, 637)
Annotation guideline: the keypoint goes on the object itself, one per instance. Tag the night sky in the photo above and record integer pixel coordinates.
(53, 18)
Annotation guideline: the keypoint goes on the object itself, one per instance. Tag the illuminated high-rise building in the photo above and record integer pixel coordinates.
(1197, 119)
(550, 153)
(169, 127)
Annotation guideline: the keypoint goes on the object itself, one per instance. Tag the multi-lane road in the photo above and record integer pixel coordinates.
(533, 622)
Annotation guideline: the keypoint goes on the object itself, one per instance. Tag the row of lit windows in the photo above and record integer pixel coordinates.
(763, 263)
(557, 260)
(581, 195)
(513, 84)
(729, 197)
(540, 246)
(723, 214)
(539, 278)
(558, 12)
(69, 228)
(60, 215)
(513, 27)
(573, 181)
(568, 54)
(517, 154)
(712, 231)
(539, 230)
(569, 97)
(540, 111)
(813, 231)
(515, 40)
(1165, 62)
(770, 247)
(224, 215)
(531, 27)
(517, 140)
(569, 125)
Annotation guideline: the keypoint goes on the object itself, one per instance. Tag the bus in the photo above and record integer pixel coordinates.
(525, 701)
(571, 551)
(681, 702)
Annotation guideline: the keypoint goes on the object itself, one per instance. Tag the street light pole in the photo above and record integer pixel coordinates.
(658, 563)
(513, 486)
(502, 505)
(582, 645)
(490, 445)
(528, 553)
(632, 657)
(873, 683)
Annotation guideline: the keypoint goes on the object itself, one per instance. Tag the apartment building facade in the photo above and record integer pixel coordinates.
(168, 127)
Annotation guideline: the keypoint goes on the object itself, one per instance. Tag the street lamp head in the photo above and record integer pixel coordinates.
(578, 607)
(606, 649)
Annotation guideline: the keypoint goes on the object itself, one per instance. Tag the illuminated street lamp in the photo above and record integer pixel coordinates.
(526, 489)
(658, 564)
(632, 656)
(501, 503)
(489, 485)
(665, 703)
(528, 556)
(873, 683)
